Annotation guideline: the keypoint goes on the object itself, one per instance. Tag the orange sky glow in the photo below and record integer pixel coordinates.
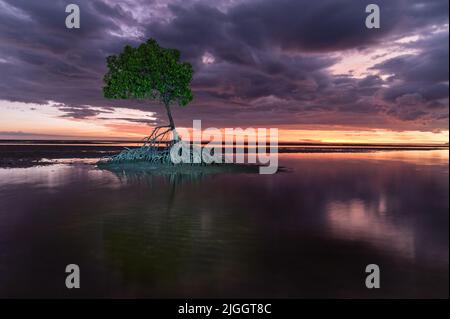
(27, 121)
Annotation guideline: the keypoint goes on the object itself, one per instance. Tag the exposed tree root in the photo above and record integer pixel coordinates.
(156, 149)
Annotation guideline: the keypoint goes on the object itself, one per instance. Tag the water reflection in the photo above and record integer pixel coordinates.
(149, 176)
(357, 220)
(308, 232)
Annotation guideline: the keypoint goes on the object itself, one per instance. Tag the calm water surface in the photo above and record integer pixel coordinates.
(306, 232)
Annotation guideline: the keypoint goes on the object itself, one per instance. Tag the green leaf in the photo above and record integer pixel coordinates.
(148, 72)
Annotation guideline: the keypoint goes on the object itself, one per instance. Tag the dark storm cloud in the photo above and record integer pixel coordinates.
(133, 120)
(47, 61)
(419, 82)
(270, 63)
(81, 112)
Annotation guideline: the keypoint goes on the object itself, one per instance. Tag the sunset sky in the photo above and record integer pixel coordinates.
(310, 68)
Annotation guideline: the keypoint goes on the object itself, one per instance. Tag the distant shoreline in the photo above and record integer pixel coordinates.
(280, 143)
(15, 155)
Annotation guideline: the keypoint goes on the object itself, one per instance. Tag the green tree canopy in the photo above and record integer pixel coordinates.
(149, 72)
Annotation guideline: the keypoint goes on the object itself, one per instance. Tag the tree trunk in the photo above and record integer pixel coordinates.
(171, 123)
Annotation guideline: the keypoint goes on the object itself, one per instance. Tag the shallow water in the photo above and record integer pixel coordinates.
(306, 232)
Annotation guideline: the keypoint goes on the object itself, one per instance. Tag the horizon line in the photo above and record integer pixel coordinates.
(282, 143)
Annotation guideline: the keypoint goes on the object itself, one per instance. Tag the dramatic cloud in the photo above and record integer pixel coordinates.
(256, 62)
